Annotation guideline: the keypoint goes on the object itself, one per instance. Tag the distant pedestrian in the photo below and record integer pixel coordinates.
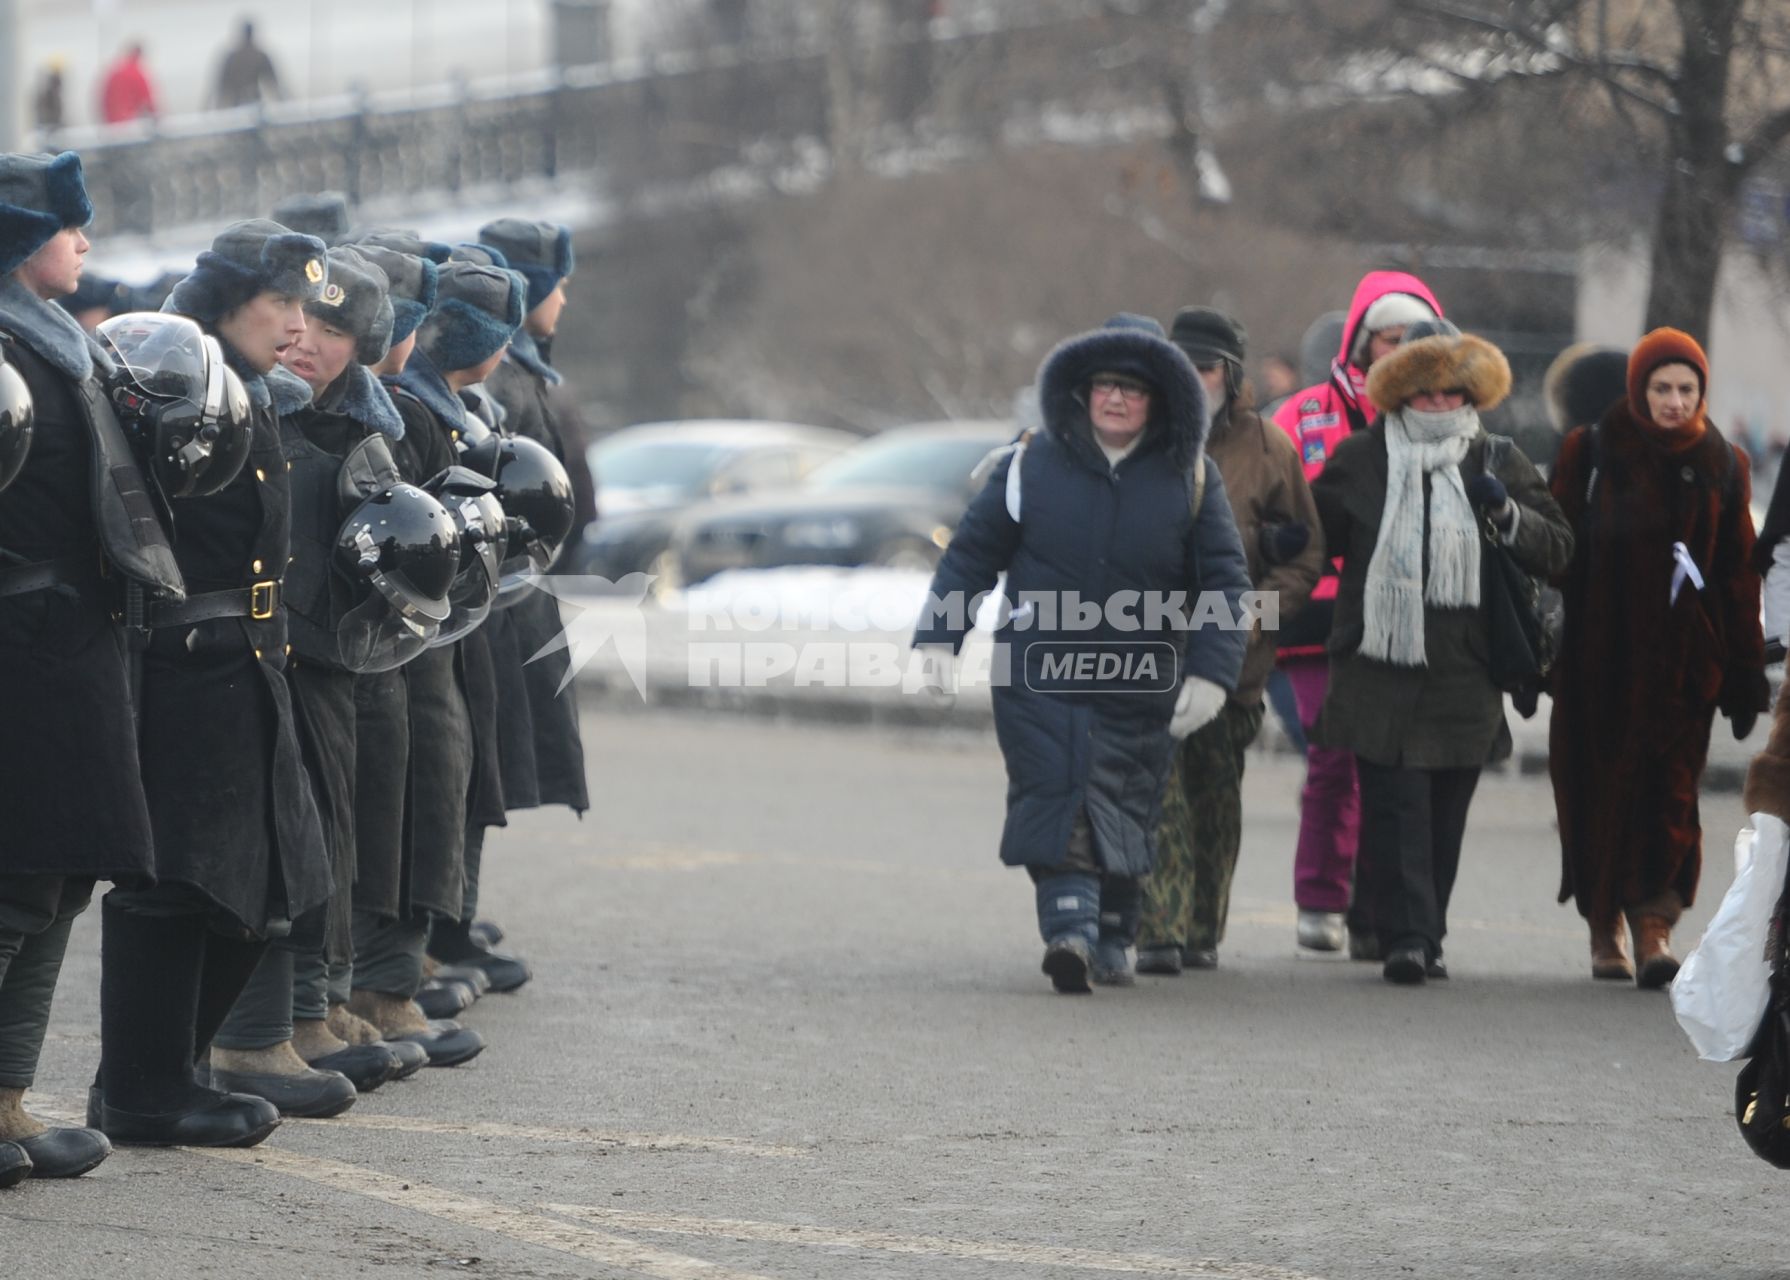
(1319, 418)
(1411, 696)
(1662, 631)
(126, 93)
(1106, 501)
(247, 75)
(47, 111)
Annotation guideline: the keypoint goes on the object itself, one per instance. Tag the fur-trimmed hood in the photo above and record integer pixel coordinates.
(1437, 363)
(1583, 382)
(1179, 414)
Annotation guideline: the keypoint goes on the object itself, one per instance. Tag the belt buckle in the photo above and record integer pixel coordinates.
(261, 600)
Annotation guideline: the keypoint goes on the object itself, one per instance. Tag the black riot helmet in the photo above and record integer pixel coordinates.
(471, 503)
(17, 415)
(401, 548)
(536, 494)
(184, 407)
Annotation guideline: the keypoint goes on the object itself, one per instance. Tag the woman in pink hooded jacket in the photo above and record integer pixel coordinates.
(1318, 418)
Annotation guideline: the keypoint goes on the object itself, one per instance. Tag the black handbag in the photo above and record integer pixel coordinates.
(1522, 622)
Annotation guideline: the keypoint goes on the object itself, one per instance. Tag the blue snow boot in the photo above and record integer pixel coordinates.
(1069, 921)
(1121, 911)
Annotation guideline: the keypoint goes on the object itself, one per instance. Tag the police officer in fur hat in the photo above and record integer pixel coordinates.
(542, 751)
(477, 311)
(64, 687)
(239, 850)
(336, 422)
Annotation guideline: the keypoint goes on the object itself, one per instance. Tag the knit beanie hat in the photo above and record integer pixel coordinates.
(541, 251)
(247, 258)
(324, 215)
(1388, 311)
(1206, 334)
(477, 311)
(1662, 347)
(355, 301)
(410, 284)
(40, 195)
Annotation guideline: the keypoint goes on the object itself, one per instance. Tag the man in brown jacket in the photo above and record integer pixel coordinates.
(1188, 896)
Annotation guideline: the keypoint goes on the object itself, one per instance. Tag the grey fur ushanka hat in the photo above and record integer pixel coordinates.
(410, 280)
(477, 311)
(40, 195)
(247, 258)
(541, 251)
(324, 215)
(355, 300)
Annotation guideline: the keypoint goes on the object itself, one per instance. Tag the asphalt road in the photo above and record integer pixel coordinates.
(788, 1023)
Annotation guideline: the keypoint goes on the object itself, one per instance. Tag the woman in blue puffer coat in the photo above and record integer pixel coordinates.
(1125, 584)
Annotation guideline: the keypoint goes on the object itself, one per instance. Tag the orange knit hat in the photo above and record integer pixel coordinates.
(1664, 346)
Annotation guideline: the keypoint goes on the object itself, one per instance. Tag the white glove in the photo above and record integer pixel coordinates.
(933, 672)
(1199, 704)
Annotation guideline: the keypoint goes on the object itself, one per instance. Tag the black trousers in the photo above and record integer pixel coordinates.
(1412, 825)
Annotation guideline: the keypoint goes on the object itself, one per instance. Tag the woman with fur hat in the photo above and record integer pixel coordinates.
(1662, 631)
(72, 808)
(1113, 501)
(1411, 696)
(1319, 419)
(239, 851)
(477, 310)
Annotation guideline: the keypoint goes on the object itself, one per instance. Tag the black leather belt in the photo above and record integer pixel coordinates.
(257, 602)
(40, 575)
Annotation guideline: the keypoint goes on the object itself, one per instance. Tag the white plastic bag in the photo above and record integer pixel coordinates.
(1720, 994)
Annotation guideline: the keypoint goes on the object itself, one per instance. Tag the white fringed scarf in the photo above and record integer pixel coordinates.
(1419, 444)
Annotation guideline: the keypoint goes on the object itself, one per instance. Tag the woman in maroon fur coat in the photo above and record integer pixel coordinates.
(1662, 631)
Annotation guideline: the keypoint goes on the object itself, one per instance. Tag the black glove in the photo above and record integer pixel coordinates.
(1280, 543)
(1742, 723)
(1487, 492)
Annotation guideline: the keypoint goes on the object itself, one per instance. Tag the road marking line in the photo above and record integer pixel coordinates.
(517, 1225)
(1025, 1255)
(541, 1133)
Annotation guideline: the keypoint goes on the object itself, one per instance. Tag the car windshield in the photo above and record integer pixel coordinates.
(927, 462)
(683, 465)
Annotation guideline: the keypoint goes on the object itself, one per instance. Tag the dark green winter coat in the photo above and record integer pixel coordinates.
(1447, 714)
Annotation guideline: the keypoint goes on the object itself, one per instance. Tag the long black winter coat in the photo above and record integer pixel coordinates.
(1096, 530)
(71, 799)
(542, 745)
(317, 438)
(447, 744)
(229, 799)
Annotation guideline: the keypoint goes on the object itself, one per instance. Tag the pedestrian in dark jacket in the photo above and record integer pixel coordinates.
(238, 848)
(1411, 693)
(276, 1043)
(1113, 508)
(246, 75)
(1662, 631)
(71, 800)
(1187, 897)
(477, 311)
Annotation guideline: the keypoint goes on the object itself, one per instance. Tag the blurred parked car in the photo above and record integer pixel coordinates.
(647, 476)
(892, 501)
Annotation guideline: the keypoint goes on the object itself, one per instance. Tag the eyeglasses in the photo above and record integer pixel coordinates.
(1133, 392)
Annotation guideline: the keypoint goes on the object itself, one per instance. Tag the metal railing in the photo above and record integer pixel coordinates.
(640, 123)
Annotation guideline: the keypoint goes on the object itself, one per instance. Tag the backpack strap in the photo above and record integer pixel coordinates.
(1018, 450)
(1199, 485)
